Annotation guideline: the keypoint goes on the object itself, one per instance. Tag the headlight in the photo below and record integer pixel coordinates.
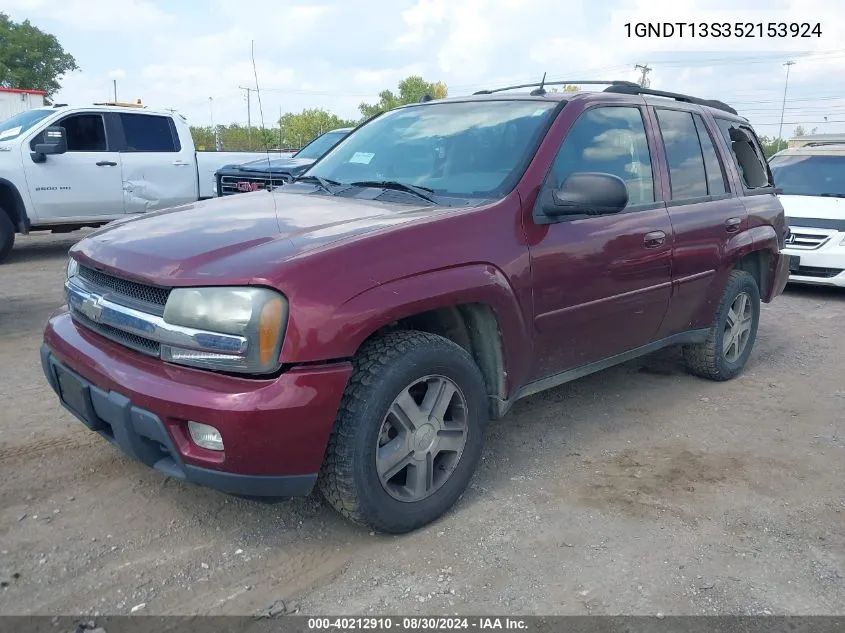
(72, 267)
(258, 314)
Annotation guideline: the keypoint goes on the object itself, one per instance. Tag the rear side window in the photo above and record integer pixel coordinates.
(611, 140)
(687, 175)
(747, 154)
(148, 133)
(715, 176)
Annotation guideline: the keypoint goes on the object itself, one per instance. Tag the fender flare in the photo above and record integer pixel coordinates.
(311, 339)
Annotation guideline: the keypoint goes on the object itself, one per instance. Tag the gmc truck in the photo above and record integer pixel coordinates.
(357, 328)
(63, 168)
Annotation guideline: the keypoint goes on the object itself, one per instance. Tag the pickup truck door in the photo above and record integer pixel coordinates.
(84, 182)
(158, 167)
(601, 283)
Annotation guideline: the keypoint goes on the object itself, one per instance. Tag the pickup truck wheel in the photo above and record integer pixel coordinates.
(409, 432)
(727, 348)
(7, 235)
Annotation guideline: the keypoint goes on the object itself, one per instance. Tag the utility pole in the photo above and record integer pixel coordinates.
(783, 105)
(643, 78)
(280, 128)
(248, 114)
(114, 81)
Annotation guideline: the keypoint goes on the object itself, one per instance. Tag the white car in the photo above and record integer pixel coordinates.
(63, 168)
(812, 184)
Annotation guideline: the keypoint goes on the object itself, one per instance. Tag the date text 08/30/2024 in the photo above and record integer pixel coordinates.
(416, 624)
(724, 29)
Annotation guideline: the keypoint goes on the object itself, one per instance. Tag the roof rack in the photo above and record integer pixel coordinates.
(614, 82)
(122, 104)
(630, 88)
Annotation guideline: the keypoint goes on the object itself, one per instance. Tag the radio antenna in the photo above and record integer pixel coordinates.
(540, 90)
(263, 130)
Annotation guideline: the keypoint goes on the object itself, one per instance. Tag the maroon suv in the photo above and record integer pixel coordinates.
(358, 327)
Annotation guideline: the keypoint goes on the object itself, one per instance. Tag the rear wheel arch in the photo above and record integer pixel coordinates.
(758, 264)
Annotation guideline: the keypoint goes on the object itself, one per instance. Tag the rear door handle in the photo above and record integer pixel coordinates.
(654, 239)
(732, 224)
(180, 163)
(106, 163)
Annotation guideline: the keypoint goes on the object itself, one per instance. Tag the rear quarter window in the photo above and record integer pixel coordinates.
(747, 154)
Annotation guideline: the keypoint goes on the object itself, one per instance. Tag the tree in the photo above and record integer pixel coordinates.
(411, 90)
(294, 131)
(798, 131)
(298, 129)
(31, 58)
(564, 88)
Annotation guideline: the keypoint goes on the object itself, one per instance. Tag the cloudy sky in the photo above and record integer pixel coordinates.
(336, 53)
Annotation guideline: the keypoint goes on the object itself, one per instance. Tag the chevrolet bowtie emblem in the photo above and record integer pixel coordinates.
(92, 307)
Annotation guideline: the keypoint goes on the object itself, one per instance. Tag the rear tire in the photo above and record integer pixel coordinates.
(416, 399)
(730, 339)
(7, 235)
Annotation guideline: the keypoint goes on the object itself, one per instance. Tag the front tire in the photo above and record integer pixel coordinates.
(409, 432)
(730, 340)
(7, 235)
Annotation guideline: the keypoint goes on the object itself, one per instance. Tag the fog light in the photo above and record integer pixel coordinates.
(205, 436)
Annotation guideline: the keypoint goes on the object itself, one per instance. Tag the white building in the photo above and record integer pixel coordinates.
(14, 100)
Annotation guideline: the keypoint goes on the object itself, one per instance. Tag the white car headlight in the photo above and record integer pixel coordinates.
(257, 314)
(72, 268)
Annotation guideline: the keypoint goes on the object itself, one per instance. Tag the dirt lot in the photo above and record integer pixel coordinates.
(640, 490)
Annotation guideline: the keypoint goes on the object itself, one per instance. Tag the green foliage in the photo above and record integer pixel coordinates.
(295, 130)
(31, 58)
(411, 90)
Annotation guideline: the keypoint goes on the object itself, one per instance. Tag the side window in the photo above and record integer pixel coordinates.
(715, 176)
(85, 133)
(148, 133)
(747, 154)
(612, 140)
(687, 176)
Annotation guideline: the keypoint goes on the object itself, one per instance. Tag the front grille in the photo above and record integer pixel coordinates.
(816, 271)
(237, 184)
(132, 290)
(806, 240)
(132, 341)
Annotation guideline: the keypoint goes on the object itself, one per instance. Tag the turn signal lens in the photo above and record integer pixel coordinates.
(269, 330)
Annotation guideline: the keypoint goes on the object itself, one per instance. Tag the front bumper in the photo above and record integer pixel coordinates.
(274, 431)
(823, 265)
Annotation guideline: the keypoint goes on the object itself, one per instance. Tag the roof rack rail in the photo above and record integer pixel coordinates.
(613, 82)
(635, 89)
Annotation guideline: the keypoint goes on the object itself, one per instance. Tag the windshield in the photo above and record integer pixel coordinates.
(20, 123)
(809, 175)
(320, 145)
(475, 149)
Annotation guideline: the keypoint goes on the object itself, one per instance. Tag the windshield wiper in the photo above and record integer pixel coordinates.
(325, 183)
(832, 195)
(421, 192)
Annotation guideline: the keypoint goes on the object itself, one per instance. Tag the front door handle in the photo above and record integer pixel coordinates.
(654, 239)
(732, 224)
(180, 163)
(106, 163)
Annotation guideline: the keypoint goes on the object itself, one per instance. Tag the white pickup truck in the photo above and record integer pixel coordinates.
(63, 168)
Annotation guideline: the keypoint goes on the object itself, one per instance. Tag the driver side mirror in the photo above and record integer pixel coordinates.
(586, 193)
(53, 142)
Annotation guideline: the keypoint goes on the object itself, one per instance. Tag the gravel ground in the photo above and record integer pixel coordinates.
(640, 490)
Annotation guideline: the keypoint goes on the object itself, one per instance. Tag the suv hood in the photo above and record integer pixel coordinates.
(237, 239)
(819, 207)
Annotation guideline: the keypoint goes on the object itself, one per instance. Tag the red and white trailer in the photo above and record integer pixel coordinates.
(15, 100)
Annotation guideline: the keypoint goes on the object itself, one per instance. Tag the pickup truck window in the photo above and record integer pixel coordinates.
(747, 154)
(21, 122)
(148, 133)
(470, 149)
(687, 176)
(612, 140)
(319, 145)
(85, 133)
